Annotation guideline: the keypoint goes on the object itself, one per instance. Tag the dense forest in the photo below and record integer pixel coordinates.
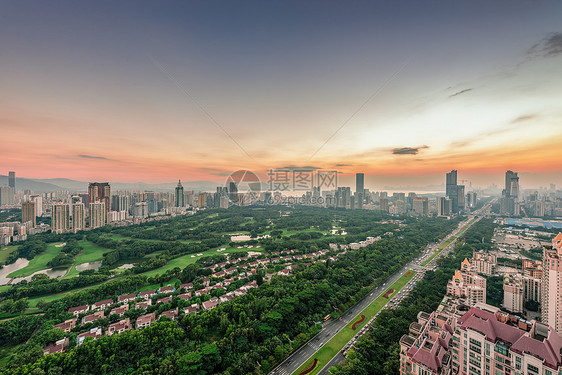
(249, 334)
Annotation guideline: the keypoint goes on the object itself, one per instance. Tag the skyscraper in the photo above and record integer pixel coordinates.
(78, 217)
(38, 199)
(359, 190)
(60, 218)
(100, 192)
(233, 192)
(6, 195)
(28, 212)
(451, 190)
(551, 301)
(510, 194)
(12, 180)
(180, 202)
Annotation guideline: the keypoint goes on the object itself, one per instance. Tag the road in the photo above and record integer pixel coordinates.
(332, 327)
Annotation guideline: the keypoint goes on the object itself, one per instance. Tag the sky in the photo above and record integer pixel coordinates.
(402, 91)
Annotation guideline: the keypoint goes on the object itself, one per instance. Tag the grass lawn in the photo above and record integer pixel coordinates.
(185, 260)
(90, 253)
(5, 251)
(39, 262)
(332, 347)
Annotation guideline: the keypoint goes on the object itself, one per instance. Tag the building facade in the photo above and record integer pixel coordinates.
(551, 303)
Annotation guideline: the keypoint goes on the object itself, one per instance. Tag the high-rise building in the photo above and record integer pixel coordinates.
(467, 284)
(552, 284)
(100, 192)
(28, 213)
(12, 180)
(359, 190)
(513, 293)
(471, 200)
(98, 215)
(443, 206)
(509, 203)
(461, 201)
(180, 202)
(78, 216)
(420, 205)
(383, 203)
(38, 204)
(7, 195)
(451, 190)
(140, 210)
(233, 192)
(482, 340)
(189, 197)
(202, 200)
(60, 218)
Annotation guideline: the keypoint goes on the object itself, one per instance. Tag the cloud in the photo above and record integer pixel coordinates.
(550, 45)
(217, 172)
(460, 92)
(296, 168)
(344, 165)
(408, 150)
(83, 156)
(523, 118)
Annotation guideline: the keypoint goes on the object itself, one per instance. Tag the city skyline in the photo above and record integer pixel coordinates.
(401, 92)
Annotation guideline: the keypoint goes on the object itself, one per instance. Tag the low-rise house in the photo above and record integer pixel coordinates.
(275, 260)
(58, 347)
(205, 281)
(119, 327)
(200, 292)
(226, 298)
(92, 317)
(143, 305)
(227, 282)
(147, 294)
(126, 298)
(230, 271)
(254, 264)
(67, 326)
(284, 272)
(219, 274)
(166, 289)
(186, 286)
(102, 305)
(164, 300)
(210, 304)
(94, 332)
(79, 310)
(172, 314)
(145, 320)
(185, 296)
(119, 310)
(190, 309)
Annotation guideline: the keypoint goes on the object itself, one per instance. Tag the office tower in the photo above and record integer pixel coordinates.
(552, 284)
(78, 216)
(451, 190)
(233, 192)
(12, 180)
(60, 218)
(461, 201)
(28, 212)
(98, 215)
(100, 192)
(7, 195)
(420, 205)
(180, 201)
(343, 197)
(509, 203)
(359, 190)
(223, 202)
(471, 200)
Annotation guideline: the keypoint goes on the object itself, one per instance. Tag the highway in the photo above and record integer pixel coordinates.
(332, 327)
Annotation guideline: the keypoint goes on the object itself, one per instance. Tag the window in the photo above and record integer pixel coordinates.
(532, 370)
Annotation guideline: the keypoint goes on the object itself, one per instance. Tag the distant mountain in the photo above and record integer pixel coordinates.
(36, 186)
(54, 184)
